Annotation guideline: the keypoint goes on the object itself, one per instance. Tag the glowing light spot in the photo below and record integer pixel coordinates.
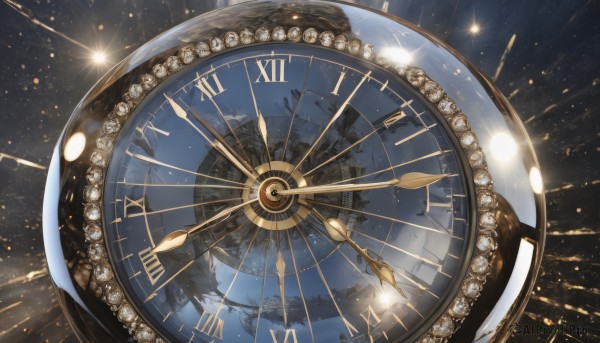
(36, 81)
(385, 298)
(99, 57)
(397, 56)
(475, 28)
(503, 146)
(535, 179)
(74, 147)
(100, 27)
(295, 17)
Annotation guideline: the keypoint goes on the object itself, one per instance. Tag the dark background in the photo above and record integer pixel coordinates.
(551, 76)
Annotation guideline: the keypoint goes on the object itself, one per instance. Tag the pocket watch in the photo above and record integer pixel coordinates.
(285, 172)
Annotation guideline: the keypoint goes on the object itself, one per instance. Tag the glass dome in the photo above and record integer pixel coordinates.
(390, 41)
(522, 46)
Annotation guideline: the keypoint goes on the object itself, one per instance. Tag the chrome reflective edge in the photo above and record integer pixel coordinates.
(80, 293)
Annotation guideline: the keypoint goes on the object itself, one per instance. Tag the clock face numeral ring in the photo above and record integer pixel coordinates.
(293, 172)
(313, 221)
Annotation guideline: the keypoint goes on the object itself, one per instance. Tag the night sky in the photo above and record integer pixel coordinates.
(551, 76)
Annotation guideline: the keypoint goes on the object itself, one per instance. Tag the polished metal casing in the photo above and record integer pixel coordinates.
(521, 211)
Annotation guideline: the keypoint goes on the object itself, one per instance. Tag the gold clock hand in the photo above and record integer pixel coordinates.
(262, 129)
(410, 180)
(216, 144)
(280, 270)
(218, 136)
(262, 125)
(176, 238)
(338, 231)
(333, 119)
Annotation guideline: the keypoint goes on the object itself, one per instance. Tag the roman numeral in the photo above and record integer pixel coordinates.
(351, 329)
(391, 120)
(372, 319)
(339, 83)
(129, 205)
(155, 129)
(152, 266)
(210, 325)
(272, 70)
(429, 204)
(289, 336)
(151, 126)
(209, 90)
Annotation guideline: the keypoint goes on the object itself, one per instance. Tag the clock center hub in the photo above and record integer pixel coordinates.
(273, 211)
(269, 199)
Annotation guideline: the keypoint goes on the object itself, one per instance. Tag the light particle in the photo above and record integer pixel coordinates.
(503, 146)
(98, 57)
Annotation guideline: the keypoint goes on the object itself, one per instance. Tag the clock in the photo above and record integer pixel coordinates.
(293, 172)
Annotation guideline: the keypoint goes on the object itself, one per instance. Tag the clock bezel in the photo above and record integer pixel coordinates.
(480, 177)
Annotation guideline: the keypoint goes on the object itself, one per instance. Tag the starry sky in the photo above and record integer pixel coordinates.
(52, 52)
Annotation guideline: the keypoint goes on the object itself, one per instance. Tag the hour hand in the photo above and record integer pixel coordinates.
(218, 144)
(176, 238)
(338, 231)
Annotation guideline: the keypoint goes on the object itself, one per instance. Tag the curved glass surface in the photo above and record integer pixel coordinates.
(266, 270)
(525, 47)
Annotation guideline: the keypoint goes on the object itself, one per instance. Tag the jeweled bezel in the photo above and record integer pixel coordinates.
(448, 321)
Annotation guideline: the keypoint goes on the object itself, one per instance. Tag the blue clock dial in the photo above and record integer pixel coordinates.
(287, 193)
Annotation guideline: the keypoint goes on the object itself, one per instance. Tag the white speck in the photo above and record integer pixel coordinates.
(99, 57)
(503, 146)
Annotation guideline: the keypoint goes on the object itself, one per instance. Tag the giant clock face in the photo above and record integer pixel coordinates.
(284, 192)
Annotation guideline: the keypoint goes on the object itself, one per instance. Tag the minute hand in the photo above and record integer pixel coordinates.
(332, 120)
(216, 144)
(410, 181)
(176, 238)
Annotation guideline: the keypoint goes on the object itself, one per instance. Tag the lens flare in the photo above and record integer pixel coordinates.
(99, 57)
(504, 148)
